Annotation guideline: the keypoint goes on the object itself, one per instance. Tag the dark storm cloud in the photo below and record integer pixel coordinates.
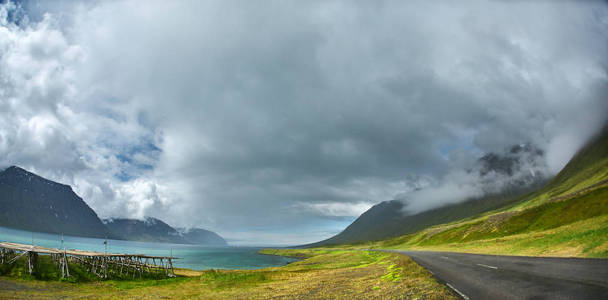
(293, 116)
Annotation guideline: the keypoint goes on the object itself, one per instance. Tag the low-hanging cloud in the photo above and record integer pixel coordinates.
(511, 171)
(243, 118)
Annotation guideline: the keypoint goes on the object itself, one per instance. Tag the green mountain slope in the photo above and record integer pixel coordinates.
(390, 219)
(567, 217)
(387, 219)
(586, 170)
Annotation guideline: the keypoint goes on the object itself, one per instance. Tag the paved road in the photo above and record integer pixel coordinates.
(476, 276)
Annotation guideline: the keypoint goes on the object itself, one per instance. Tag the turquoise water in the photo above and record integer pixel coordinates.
(191, 256)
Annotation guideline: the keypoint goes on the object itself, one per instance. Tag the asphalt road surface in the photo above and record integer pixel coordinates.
(476, 276)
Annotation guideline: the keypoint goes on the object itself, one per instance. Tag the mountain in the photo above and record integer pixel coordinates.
(568, 216)
(154, 230)
(390, 218)
(202, 237)
(34, 203)
(147, 230)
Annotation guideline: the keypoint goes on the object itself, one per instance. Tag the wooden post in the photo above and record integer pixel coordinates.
(141, 267)
(65, 265)
(110, 265)
(171, 266)
(94, 265)
(104, 266)
(35, 262)
(14, 259)
(61, 265)
(29, 262)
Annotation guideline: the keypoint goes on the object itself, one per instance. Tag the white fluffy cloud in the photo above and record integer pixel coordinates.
(246, 118)
(53, 126)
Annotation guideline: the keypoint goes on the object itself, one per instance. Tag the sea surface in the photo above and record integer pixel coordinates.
(190, 256)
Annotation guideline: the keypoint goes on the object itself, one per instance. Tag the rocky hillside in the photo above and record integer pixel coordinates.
(34, 203)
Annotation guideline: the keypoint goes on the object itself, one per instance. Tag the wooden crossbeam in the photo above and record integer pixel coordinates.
(17, 257)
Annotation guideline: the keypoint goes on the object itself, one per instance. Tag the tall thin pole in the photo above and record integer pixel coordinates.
(105, 258)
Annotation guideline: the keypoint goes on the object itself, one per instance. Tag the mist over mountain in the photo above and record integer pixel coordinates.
(34, 203)
(495, 180)
(495, 173)
(521, 165)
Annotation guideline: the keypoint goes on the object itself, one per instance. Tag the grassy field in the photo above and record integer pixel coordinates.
(321, 274)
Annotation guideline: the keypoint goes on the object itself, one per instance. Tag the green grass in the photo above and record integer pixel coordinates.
(224, 280)
(327, 259)
(127, 284)
(394, 273)
(538, 218)
(587, 238)
(325, 274)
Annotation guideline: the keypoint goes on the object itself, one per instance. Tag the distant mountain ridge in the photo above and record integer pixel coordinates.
(34, 203)
(154, 230)
(201, 236)
(147, 230)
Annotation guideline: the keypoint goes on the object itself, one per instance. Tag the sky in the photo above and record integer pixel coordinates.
(280, 122)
